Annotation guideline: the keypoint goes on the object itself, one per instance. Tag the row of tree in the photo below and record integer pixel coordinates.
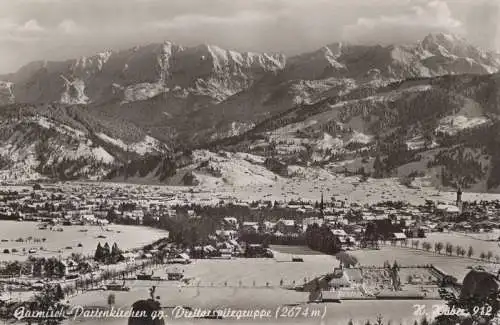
(450, 249)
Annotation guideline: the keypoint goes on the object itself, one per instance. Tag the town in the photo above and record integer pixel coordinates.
(422, 247)
(351, 225)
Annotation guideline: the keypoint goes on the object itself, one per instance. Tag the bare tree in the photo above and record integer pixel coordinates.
(438, 247)
(449, 248)
(470, 252)
(111, 299)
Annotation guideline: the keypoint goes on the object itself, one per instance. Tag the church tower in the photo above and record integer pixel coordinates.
(459, 198)
(322, 206)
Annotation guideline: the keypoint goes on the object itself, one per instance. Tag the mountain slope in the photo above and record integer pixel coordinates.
(449, 123)
(444, 131)
(66, 142)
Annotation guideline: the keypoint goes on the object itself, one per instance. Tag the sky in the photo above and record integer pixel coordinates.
(62, 29)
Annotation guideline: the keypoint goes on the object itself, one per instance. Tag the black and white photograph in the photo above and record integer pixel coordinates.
(206, 162)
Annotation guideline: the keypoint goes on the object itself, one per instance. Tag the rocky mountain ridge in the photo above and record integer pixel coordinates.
(141, 73)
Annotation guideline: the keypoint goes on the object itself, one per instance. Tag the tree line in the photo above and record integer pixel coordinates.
(321, 238)
(107, 255)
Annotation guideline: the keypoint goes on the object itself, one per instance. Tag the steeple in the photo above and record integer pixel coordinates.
(126, 163)
(322, 205)
(459, 196)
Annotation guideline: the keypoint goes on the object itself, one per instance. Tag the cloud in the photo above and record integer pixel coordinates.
(68, 26)
(31, 26)
(482, 24)
(7, 25)
(26, 32)
(43, 1)
(201, 21)
(416, 21)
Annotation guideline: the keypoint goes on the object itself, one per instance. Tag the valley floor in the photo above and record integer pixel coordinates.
(308, 188)
(242, 283)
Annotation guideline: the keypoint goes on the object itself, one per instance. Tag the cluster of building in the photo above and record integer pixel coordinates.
(90, 204)
(394, 221)
(81, 204)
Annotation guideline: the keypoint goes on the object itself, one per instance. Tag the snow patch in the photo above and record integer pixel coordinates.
(238, 170)
(254, 159)
(219, 56)
(148, 145)
(164, 61)
(233, 129)
(86, 150)
(74, 92)
(418, 143)
(6, 93)
(102, 58)
(329, 142)
(332, 59)
(61, 128)
(359, 137)
(143, 91)
(454, 124)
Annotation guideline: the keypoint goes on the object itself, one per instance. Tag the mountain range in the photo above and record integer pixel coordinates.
(428, 109)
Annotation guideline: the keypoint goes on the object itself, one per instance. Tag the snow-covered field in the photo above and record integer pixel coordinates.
(206, 296)
(308, 184)
(476, 241)
(399, 311)
(245, 177)
(246, 182)
(452, 265)
(453, 124)
(455, 266)
(468, 117)
(126, 237)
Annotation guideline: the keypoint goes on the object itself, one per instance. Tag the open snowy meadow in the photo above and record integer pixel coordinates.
(63, 243)
(241, 284)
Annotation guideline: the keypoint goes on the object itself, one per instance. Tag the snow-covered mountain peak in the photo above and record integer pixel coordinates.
(169, 43)
(104, 56)
(223, 60)
(74, 92)
(335, 48)
(450, 45)
(90, 65)
(442, 37)
(204, 76)
(169, 48)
